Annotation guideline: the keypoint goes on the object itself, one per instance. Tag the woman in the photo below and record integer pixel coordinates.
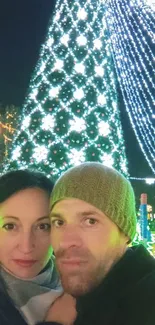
(28, 279)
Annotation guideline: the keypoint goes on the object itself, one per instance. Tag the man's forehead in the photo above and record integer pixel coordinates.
(82, 208)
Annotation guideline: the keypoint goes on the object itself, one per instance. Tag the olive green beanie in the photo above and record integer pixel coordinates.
(102, 187)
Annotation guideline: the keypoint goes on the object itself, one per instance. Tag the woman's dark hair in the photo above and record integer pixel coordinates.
(17, 180)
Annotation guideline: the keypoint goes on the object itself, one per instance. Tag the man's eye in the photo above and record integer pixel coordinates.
(90, 221)
(45, 226)
(9, 226)
(57, 223)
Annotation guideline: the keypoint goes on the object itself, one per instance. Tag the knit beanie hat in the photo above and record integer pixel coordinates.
(104, 188)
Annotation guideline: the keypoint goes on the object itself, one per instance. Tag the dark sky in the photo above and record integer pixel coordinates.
(23, 26)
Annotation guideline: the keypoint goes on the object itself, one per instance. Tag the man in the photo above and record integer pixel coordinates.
(93, 220)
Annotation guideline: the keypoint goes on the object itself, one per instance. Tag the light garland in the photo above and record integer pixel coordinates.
(71, 112)
(148, 180)
(6, 128)
(131, 24)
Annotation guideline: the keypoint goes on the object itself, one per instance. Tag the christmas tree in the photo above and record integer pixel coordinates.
(71, 111)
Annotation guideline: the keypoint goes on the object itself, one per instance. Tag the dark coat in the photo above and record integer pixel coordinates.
(9, 315)
(125, 297)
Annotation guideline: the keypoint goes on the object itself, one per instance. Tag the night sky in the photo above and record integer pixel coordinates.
(23, 26)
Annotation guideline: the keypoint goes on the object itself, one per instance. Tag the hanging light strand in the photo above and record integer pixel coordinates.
(132, 36)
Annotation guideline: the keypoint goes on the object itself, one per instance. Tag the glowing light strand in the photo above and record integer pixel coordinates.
(148, 180)
(132, 79)
(131, 27)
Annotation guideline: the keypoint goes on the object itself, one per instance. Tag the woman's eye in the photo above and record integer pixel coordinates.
(90, 221)
(9, 226)
(57, 223)
(45, 226)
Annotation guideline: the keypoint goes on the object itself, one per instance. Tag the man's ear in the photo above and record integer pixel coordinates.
(126, 238)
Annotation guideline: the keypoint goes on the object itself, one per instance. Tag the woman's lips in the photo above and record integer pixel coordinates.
(25, 263)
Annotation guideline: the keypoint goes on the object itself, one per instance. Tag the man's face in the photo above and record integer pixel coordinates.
(86, 244)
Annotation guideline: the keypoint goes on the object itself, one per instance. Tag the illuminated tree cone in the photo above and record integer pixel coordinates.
(71, 112)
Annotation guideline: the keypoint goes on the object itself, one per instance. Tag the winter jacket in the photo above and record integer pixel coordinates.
(9, 315)
(125, 297)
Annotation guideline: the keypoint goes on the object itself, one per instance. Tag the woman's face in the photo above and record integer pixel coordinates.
(25, 233)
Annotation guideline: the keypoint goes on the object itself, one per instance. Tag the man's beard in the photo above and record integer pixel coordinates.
(80, 282)
(83, 278)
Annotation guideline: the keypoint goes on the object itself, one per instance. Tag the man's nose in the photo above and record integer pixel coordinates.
(70, 237)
